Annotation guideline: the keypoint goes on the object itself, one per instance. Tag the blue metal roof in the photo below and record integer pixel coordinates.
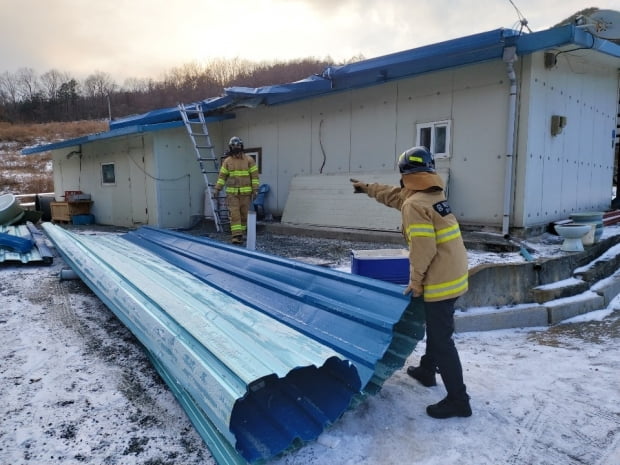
(118, 131)
(462, 51)
(254, 373)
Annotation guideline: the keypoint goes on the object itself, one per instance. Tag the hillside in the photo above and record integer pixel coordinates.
(32, 174)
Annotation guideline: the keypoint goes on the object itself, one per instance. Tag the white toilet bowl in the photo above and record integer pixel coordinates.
(572, 234)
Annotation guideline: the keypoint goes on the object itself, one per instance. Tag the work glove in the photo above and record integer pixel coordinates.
(414, 289)
(359, 187)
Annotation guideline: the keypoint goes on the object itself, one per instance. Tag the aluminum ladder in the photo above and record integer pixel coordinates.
(196, 125)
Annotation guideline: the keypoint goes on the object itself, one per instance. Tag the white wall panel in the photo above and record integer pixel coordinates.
(478, 158)
(66, 171)
(373, 129)
(331, 133)
(111, 205)
(573, 170)
(294, 152)
(181, 186)
(329, 201)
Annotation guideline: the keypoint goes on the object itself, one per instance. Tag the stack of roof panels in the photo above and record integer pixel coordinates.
(262, 352)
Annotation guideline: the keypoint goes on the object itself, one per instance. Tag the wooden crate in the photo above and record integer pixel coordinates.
(63, 211)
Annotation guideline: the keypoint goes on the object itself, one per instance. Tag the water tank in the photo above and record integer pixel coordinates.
(10, 210)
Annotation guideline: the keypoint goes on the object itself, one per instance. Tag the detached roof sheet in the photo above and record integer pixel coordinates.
(12, 237)
(462, 51)
(247, 342)
(353, 315)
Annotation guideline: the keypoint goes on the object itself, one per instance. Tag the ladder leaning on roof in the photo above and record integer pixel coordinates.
(194, 119)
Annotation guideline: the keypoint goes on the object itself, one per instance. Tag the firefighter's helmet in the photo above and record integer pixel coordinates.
(235, 143)
(416, 160)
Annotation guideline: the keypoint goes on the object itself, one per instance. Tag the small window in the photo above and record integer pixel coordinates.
(257, 154)
(108, 175)
(435, 136)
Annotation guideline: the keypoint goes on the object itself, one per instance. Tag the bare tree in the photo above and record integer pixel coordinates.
(99, 84)
(136, 85)
(51, 81)
(28, 83)
(9, 86)
(224, 71)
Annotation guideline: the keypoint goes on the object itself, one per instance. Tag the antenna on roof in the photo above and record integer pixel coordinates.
(522, 19)
(604, 24)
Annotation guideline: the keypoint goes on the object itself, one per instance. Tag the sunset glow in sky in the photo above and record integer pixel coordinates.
(146, 38)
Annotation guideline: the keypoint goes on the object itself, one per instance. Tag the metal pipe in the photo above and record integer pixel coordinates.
(251, 238)
(68, 274)
(509, 58)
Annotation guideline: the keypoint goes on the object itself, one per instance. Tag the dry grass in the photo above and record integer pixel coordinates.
(28, 133)
(29, 174)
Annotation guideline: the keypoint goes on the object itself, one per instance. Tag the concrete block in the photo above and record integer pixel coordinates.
(521, 316)
(559, 289)
(562, 309)
(608, 288)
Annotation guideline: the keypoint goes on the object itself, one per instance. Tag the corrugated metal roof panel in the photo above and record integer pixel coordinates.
(214, 106)
(39, 253)
(261, 385)
(354, 315)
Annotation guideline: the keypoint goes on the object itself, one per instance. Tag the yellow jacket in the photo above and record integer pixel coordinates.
(437, 254)
(239, 174)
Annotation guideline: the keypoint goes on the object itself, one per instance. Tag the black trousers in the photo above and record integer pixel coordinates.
(441, 352)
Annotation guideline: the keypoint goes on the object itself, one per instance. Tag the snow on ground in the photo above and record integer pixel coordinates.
(77, 388)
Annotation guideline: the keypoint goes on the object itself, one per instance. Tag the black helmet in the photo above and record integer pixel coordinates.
(235, 145)
(416, 160)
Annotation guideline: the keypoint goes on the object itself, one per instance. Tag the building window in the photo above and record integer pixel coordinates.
(108, 176)
(435, 136)
(257, 154)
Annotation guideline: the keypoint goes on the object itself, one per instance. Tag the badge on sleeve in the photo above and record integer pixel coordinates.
(442, 208)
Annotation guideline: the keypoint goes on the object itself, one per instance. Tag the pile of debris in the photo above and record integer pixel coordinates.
(20, 240)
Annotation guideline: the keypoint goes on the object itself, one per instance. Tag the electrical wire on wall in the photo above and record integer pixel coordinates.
(578, 48)
(322, 148)
(149, 175)
(77, 152)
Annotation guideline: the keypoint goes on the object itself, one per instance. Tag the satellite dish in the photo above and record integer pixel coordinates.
(602, 23)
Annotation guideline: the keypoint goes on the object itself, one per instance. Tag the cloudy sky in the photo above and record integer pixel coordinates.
(146, 38)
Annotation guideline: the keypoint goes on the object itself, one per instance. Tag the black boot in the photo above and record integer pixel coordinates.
(448, 408)
(424, 376)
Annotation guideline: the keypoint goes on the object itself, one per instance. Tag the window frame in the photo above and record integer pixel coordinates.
(103, 175)
(433, 126)
(257, 154)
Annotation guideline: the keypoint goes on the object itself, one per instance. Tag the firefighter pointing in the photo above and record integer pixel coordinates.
(239, 174)
(438, 270)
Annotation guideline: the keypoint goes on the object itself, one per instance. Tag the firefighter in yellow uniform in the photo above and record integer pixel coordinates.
(438, 270)
(239, 175)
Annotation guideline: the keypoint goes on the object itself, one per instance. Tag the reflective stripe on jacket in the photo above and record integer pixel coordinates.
(437, 254)
(239, 174)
